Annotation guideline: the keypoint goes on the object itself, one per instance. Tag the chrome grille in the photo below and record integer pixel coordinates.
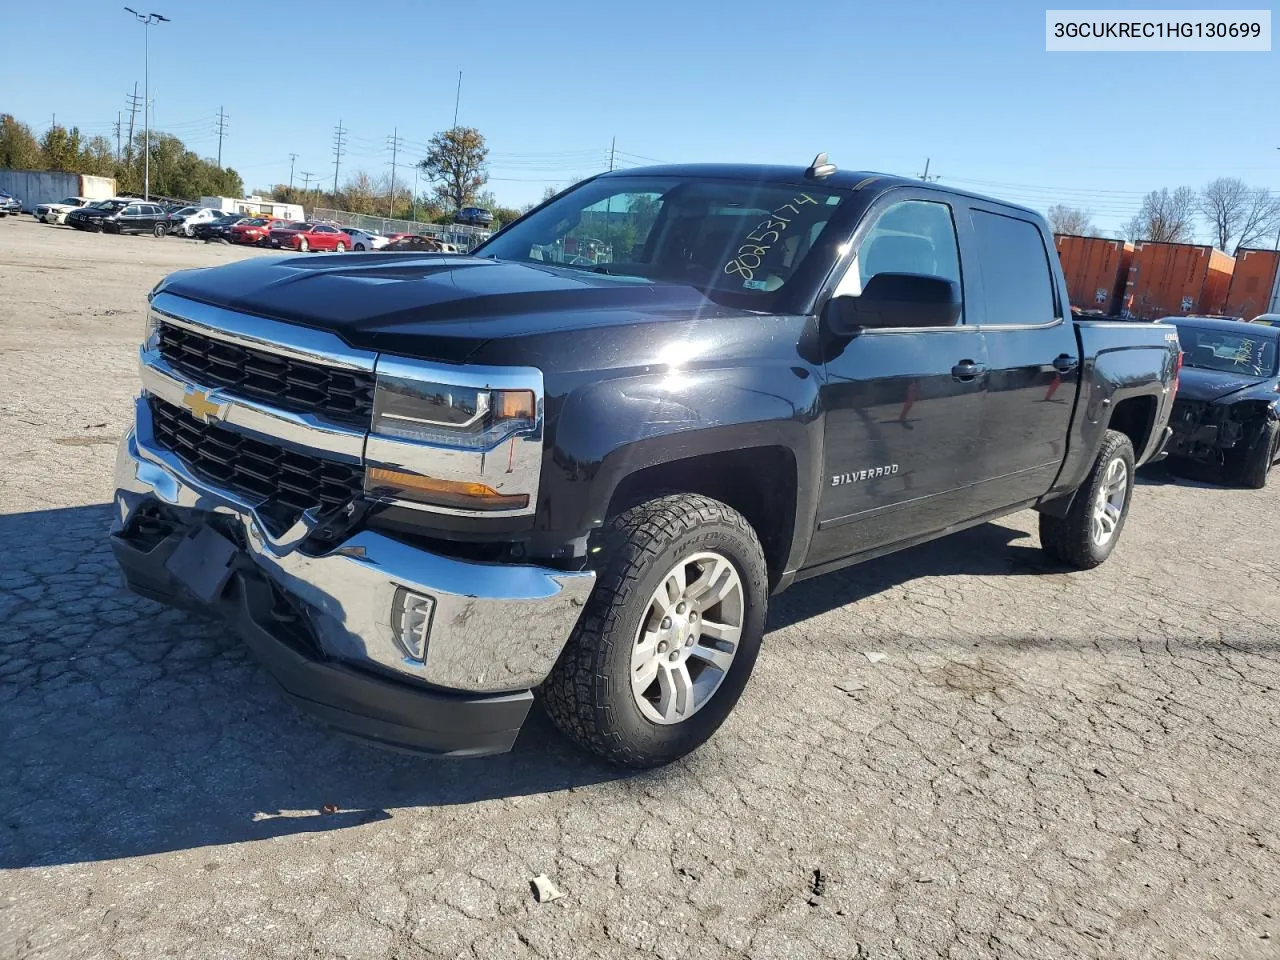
(286, 481)
(340, 396)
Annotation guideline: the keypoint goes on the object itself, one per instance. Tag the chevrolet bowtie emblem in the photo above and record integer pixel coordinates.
(198, 402)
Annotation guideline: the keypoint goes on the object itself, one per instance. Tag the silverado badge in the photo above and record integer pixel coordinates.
(840, 479)
(198, 402)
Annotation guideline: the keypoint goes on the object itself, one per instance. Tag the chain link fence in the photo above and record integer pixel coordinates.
(465, 238)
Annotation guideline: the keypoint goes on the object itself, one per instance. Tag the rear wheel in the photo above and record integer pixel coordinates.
(668, 638)
(1088, 533)
(159, 230)
(340, 248)
(1255, 466)
(189, 230)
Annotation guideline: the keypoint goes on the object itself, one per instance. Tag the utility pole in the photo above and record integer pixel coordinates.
(925, 176)
(146, 22)
(339, 144)
(457, 99)
(416, 168)
(119, 118)
(134, 102)
(292, 157)
(613, 146)
(54, 122)
(395, 144)
(222, 132)
(307, 177)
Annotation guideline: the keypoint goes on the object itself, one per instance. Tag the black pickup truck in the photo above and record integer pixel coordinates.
(576, 464)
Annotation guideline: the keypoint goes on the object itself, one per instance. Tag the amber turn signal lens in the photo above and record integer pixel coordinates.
(463, 495)
(515, 404)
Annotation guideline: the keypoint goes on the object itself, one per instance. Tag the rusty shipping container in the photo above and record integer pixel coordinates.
(1096, 269)
(1255, 284)
(1173, 279)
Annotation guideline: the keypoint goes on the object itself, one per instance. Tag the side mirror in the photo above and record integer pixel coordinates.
(897, 300)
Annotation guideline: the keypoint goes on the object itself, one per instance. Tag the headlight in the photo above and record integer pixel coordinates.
(457, 440)
(151, 331)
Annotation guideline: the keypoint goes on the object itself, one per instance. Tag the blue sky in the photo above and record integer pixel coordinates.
(878, 86)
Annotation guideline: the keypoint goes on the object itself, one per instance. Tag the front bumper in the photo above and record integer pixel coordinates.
(496, 630)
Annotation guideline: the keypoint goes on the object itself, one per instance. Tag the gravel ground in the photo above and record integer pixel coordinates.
(1044, 765)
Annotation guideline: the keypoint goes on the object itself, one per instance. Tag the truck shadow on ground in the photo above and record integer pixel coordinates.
(127, 728)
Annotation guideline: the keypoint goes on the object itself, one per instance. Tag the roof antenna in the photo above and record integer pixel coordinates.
(820, 167)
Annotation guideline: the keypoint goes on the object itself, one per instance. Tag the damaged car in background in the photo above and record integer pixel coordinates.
(1227, 409)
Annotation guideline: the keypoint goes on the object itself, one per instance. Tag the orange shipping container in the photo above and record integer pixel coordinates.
(1174, 279)
(1255, 284)
(1096, 270)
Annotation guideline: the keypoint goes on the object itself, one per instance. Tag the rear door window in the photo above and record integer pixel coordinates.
(1016, 282)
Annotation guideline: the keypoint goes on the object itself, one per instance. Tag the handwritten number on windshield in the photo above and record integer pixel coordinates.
(746, 261)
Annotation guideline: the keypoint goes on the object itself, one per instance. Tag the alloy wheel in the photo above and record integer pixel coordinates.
(1109, 505)
(687, 638)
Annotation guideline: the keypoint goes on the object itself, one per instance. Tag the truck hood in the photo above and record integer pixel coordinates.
(1196, 384)
(433, 306)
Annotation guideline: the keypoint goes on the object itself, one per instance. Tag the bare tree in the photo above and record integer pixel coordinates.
(1260, 221)
(1222, 203)
(1070, 220)
(1164, 217)
(456, 159)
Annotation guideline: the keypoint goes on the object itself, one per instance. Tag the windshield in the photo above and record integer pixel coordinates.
(111, 204)
(1227, 352)
(739, 239)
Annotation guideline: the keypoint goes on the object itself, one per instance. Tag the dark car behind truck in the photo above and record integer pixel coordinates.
(425, 488)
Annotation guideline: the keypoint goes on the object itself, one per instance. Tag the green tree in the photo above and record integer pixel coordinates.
(19, 149)
(97, 158)
(456, 162)
(60, 148)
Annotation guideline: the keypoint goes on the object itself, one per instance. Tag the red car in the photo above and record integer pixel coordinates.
(308, 236)
(252, 231)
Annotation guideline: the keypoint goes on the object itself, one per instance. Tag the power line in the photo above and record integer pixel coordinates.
(222, 132)
(339, 144)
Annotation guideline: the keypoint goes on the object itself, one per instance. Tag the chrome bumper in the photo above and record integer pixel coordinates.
(495, 627)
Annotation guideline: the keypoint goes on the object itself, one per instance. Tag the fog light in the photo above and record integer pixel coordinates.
(411, 620)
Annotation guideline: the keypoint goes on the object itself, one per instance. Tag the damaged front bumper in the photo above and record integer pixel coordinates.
(378, 638)
(1208, 432)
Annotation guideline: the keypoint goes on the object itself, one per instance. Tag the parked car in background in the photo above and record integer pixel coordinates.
(219, 228)
(401, 242)
(136, 216)
(1267, 319)
(90, 216)
(1227, 408)
(9, 204)
(365, 239)
(252, 230)
(185, 223)
(57, 212)
(475, 216)
(309, 236)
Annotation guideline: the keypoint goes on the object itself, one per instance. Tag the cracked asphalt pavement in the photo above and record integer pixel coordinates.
(1043, 765)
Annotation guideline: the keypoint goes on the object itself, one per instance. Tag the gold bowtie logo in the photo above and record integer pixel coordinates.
(198, 402)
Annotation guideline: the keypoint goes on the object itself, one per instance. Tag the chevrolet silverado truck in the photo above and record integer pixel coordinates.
(576, 464)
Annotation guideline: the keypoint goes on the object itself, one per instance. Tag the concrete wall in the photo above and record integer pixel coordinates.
(50, 186)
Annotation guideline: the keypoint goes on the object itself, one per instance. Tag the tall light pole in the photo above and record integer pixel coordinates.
(146, 20)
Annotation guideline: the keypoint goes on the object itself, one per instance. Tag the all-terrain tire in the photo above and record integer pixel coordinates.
(588, 694)
(1254, 467)
(1071, 539)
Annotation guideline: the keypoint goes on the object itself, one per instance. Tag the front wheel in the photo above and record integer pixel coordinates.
(303, 245)
(1255, 467)
(668, 638)
(359, 248)
(1088, 533)
(189, 231)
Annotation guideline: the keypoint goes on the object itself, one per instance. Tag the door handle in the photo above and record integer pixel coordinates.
(1065, 363)
(967, 370)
